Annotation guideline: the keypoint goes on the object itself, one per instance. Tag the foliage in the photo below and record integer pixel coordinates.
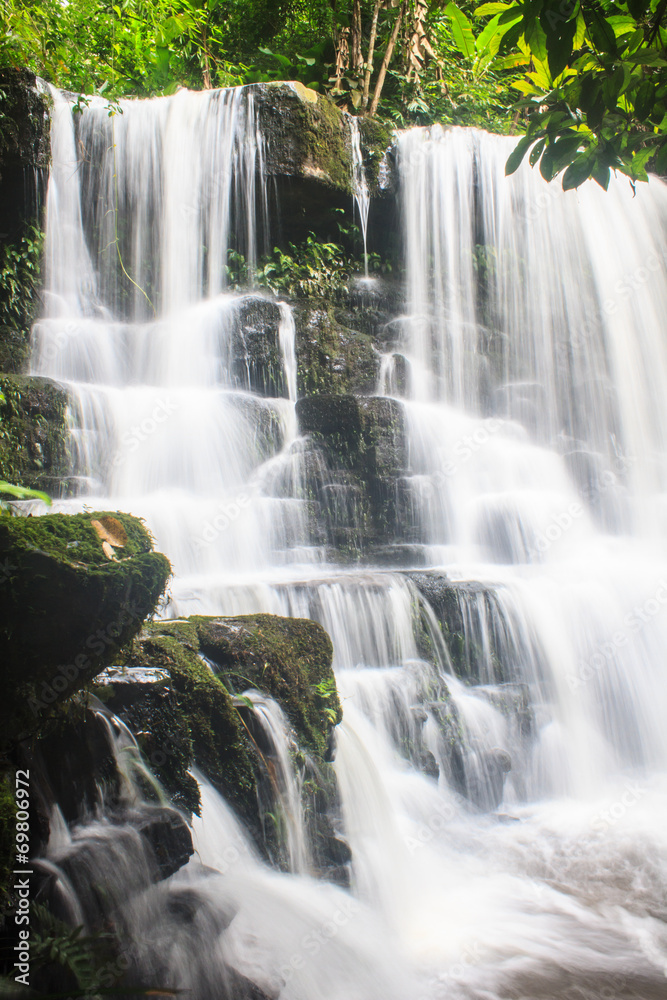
(595, 92)
(20, 280)
(313, 268)
(54, 942)
(19, 492)
(359, 51)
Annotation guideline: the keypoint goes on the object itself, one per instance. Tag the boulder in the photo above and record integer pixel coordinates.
(287, 658)
(363, 445)
(75, 589)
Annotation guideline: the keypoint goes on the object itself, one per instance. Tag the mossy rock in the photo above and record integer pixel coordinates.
(288, 658)
(76, 588)
(33, 433)
(182, 713)
(306, 135)
(331, 356)
(376, 139)
(186, 717)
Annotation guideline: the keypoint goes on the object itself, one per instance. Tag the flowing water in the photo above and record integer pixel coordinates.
(505, 801)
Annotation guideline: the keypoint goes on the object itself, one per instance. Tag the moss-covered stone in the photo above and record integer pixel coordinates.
(33, 433)
(182, 713)
(187, 716)
(332, 357)
(306, 135)
(75, 589)
(362, 442)
(376, 139)
(289, 658)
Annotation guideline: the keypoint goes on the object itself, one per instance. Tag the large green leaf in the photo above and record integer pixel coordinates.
(518, 153)
(579, 170)
(462, 32)
(22, 493)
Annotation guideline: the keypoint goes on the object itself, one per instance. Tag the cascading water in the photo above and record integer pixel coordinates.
(362, 195)
(536, 451)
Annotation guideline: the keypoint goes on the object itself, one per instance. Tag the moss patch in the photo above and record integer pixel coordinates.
(304, 137)
(376, 138)
(68, 605)
(186, 714)
(33, 433)
(289, 658)
(187, 717)
(332, 357)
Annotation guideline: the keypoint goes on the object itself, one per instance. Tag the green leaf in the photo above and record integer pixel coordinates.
(21, 493)
(578, 171)
(601, 34)
(517, 154)
(644, 100)
(495, 8)
(462, 32)
(602, 175)
(536, 152)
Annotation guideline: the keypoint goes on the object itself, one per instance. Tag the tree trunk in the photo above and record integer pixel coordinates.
(371, 53)
(387, 59)
(356, 58)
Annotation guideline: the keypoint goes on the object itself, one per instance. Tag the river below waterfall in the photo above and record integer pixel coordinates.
(529, 361)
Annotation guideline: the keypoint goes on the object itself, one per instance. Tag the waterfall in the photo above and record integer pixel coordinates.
(503, 779)
(360, 190)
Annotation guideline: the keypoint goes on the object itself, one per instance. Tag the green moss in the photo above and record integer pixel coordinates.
(68, 606)
(376, 138)
(305, 138)
(33, 433)
(331, 357)
(190, 717)
(290, 658)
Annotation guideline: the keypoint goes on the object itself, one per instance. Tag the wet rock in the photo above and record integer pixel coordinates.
(288, 658)
(167, 835)
(362, 443)
(255, 347)
(70, 601)
(334, 355)
(25, 149)
(184, 715)
(465, 612)
(33, 445)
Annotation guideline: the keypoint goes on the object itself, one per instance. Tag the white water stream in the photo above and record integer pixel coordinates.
(537, 425)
